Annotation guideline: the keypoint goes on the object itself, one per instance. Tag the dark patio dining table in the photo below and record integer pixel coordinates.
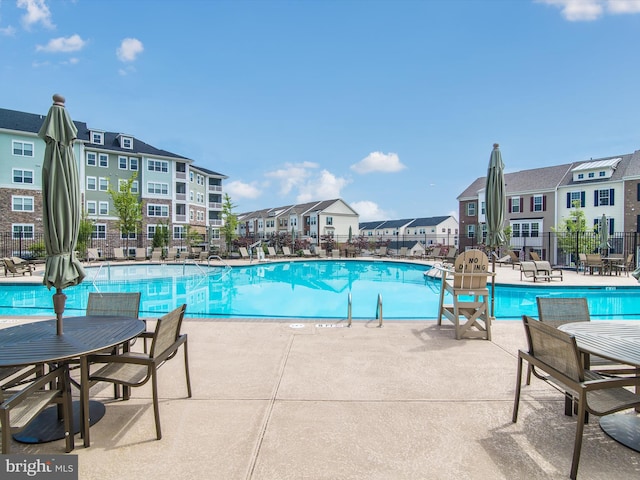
(618, 341)
(37, 343)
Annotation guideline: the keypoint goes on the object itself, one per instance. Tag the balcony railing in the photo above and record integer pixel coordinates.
(215, 205)
(215, 188)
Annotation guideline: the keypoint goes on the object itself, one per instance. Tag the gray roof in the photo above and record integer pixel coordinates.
(208, 172)
(409, 222)
(550, 178)
(429, 221)
(31, 122)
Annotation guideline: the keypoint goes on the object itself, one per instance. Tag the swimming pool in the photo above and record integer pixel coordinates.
(299, 289)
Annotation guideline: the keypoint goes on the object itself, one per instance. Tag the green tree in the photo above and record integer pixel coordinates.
(128, 208)
(84, 233)
(230, 220)
(161, 236)
(572, 233)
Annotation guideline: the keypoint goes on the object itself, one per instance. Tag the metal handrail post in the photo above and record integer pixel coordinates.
(379, 311)
(349, 311)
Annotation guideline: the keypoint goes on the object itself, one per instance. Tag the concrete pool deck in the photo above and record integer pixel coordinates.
(406, 401)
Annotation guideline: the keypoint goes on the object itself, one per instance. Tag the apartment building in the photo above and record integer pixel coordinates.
(172, 190)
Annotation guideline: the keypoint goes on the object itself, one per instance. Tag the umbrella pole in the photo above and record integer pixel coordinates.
(493, 284)
(59, 300)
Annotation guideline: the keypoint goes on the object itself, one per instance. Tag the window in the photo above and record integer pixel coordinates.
(151, 231)
(22, 230)
(97, 138)
(126, 142)
(158, 188)
(91, 208)
(471, 210)
(580, 176)
(191, 177)
(603, 197)
(482, 209)
(329, 221)
(191, 214)
(23, 149)
(122, 163)
(592, 175)
(130, 236)
(103, 208)
(103, 160)
(157, 166)
(573, 197)
(514, 203)
(157, 210)
(21, 204)
(471, 231)
(602, 174)
(99, 230)
(178, 232)
(104, 184)
(538, 203)
(22, 176)
(526, 229)
(91, 159)
(91, 183)
(135, 188)
(191, 195)
(133, 163)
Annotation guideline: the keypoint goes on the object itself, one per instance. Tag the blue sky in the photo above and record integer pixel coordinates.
(391, 105)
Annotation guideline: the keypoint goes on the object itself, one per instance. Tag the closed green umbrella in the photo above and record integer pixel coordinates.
(60, 204)
(603, 232)
(495, 206)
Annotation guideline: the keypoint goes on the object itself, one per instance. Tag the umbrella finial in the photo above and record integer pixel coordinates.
(496, 145)
(58, 99)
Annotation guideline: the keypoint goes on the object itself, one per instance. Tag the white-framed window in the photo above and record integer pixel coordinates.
(99, 230)
(157, 166)
(131, 236)
(21, 203)
(22, 176)
(329, 221)
(127, 142)
(603, 197)
(191, 177)
(191, 195)
(538, 203)
(471, 231)
(200, 216)
(22, 230)
(123, 163)
(135, 186)
(103, 160)
(92, 183)
(515, 205)
(191, 214)
(158, 188)
(97, 138)
(527, 228)
(91, 207)
(103, 208)
(154, 210)
(178, 232)
(151, 231)
(92, 159)
(133, 163)
(591, 175)
(471, 210)
(22, 149)
(103, 184)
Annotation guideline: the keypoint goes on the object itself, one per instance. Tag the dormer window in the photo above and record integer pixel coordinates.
(126, 141)
(97, 137)
(595, 169)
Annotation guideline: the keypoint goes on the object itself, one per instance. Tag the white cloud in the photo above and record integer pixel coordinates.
(587, 10)
(324, 187)
(369, 211)
(7, 31)
(293, 175)
(73, 43)
(379, 162)
(37, 12)
(129, 49)
(238, 189)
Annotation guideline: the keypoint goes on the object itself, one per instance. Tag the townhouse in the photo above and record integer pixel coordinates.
(172, 190)
(539, 200)
(311, 220)
(440, 230)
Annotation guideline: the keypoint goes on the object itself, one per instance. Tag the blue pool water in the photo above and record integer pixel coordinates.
(315, 289)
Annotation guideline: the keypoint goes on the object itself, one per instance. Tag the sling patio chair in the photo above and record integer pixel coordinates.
(594, 262)
(556, 353)
(141, 254)
(118, 254)
(626, 266)
(534, 256)
(515, 259)
(135, 369)
(22, 402)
